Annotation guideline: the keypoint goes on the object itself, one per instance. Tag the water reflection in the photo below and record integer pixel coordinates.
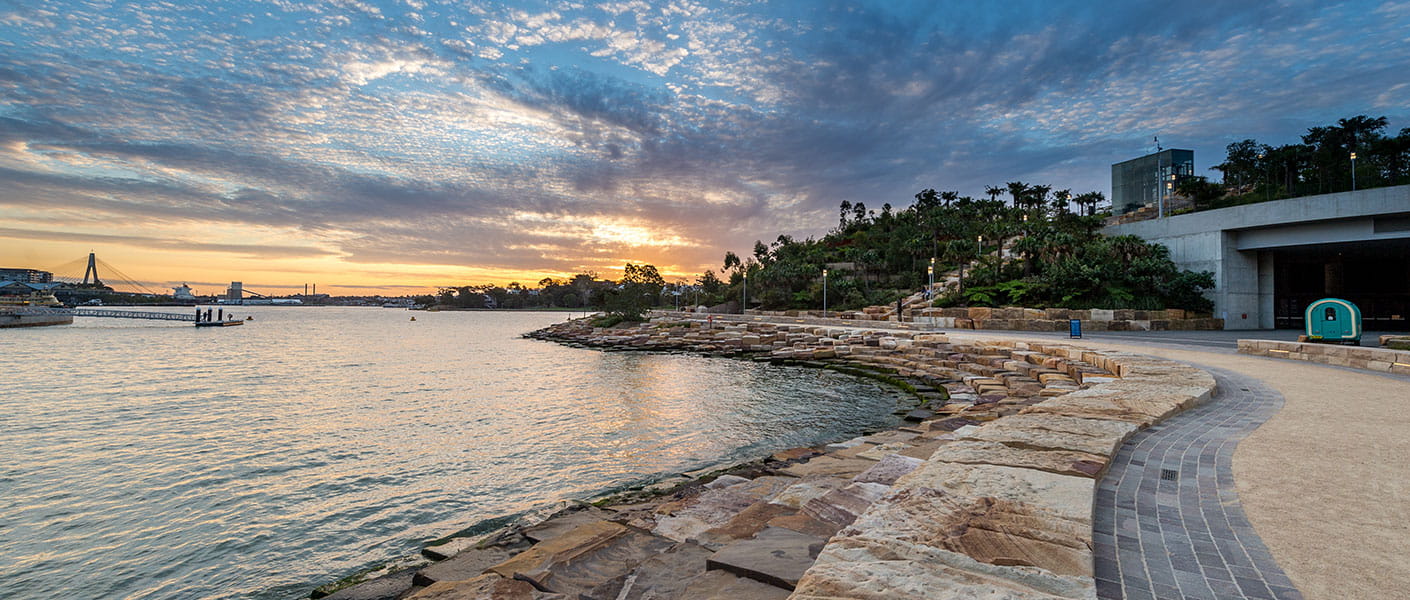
(163, 461)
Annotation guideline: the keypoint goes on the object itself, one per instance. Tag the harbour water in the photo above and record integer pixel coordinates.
(156, 460)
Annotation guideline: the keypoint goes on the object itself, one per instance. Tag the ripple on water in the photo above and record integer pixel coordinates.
(261, 461)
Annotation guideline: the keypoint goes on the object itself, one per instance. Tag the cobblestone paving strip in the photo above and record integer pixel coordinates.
(1168, 524)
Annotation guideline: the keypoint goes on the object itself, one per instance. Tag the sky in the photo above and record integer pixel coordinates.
(395, 147)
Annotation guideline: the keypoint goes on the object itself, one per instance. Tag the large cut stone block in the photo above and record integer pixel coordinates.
(466, 565)
(386, 587)
(871, 568)
(722, 585)
(828, 466)
(564, 522)
(776, 556)
(843, 505)
(1064, 462)
(1066, 496)
(888, 469)
(584, 558)
(661, 577)
(746, 524)
(798, 494)
(992, 531)
(710, 509)
(1093, 436)
(484, 587)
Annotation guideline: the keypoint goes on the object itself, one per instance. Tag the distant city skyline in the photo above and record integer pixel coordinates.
(395, 147)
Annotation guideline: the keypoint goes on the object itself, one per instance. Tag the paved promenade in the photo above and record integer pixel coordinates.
(1325, 481)
(1168, 523)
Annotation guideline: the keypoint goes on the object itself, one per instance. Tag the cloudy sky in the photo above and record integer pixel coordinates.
(403, 145)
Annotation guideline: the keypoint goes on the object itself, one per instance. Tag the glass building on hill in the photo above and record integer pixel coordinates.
(1149, 180)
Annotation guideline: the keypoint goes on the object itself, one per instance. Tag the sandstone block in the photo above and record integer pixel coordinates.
(465, 565)
(843, 505)
(888, 469)
(776, 556)
(1063, 462)
(1065, 496)
(722, 585)
(828, 466)
(563, 522)
(874, 568)
(798, 494)
(484, 587)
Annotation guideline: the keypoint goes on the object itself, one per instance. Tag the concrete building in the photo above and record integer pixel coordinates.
(26, 275)
(1271, 259)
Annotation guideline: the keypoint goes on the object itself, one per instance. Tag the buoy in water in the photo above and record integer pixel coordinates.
(250, 318)
(413, 318)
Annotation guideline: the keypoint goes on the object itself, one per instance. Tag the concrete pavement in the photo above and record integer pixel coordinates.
(1325, 482)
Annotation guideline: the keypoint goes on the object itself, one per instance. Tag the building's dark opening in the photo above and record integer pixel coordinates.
(1375, 276)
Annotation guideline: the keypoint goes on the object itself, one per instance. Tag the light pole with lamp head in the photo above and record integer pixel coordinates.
(745, 306)
(824, 293)
(1353, 171)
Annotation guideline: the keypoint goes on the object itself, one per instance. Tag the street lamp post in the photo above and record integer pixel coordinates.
(1266, 192)
(744, 307)
(1353, 171)
(824, 293)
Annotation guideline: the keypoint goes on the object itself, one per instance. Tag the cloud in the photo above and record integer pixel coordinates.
(424, 132)
(262, 251)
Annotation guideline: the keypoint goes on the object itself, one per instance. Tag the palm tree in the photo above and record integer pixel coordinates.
(993, 192)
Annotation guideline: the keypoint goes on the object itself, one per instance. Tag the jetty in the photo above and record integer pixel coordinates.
(37, 316)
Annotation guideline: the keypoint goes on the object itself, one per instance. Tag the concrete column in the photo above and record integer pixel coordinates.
(1266, 289)
(1237, 301)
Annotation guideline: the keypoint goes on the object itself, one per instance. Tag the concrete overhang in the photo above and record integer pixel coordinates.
(1365, 215)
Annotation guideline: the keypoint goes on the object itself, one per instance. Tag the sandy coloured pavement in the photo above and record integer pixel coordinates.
(1326, 481)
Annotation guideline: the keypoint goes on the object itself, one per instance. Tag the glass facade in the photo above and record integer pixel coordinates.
(1146, 180)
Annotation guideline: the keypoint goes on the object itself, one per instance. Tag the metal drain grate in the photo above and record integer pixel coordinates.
(1168, 475)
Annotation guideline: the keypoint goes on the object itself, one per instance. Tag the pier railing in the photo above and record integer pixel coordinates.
(102, 312)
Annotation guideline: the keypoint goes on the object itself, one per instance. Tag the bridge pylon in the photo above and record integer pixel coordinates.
(92, 270)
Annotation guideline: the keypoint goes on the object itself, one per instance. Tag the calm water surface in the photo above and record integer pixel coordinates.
(141, 459)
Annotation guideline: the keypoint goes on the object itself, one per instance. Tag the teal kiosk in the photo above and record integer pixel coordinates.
(1333, 320)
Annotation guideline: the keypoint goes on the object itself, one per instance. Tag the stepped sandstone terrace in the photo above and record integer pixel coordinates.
(986, 491)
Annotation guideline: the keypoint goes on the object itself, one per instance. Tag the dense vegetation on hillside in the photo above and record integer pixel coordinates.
(1321, 164)
(1053, 257)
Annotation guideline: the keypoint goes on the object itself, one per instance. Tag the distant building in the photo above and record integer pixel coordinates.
(26, 275)
(182, 293)
(236, 291)
(1149, 180)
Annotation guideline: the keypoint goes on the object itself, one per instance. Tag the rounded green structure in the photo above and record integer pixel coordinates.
(1333, 320)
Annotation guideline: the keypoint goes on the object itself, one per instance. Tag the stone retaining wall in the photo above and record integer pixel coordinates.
(991, 515)
(1023, 319)
(986, 492)
(1373, 359)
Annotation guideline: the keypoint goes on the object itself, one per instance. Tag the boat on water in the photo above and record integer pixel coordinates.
(35, 298)
(16, 298)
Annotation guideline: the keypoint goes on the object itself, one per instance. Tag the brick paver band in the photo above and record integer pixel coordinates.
(1168, 524)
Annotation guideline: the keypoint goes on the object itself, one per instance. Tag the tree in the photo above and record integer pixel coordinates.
(629, 300)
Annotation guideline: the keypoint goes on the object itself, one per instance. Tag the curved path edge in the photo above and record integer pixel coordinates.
(983, 518)
(1168, 521)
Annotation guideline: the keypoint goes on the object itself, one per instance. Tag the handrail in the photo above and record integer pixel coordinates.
(98, 312)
